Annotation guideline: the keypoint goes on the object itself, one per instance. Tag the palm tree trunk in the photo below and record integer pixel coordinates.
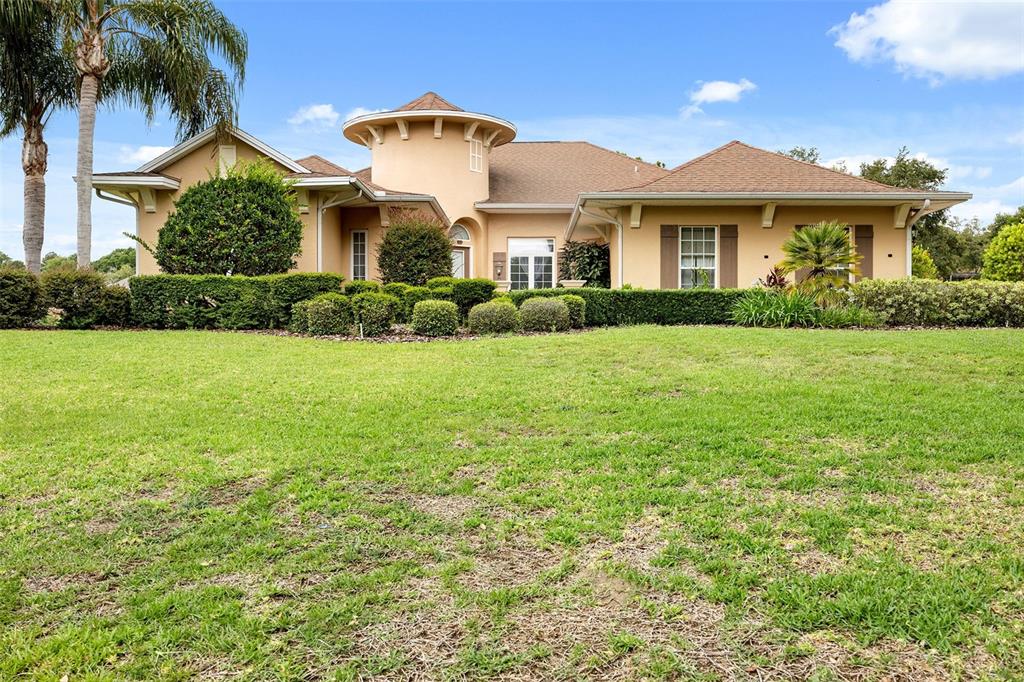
(86, 132)
(33, 163)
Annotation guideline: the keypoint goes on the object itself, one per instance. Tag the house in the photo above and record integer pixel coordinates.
(720, 219)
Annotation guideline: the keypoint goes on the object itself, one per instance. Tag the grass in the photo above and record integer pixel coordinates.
(634, 503)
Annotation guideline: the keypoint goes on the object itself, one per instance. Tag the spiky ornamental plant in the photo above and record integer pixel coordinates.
(160, 52)
(824, 251)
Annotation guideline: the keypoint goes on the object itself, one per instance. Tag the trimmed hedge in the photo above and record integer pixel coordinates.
(361, 286)
(613, 307)
(441, 282)
(374, 313)
(466, 293)
(328, 314)
(495, 317)
(21, 298)
(577, 310)
(435, 318)
(222, 301)
(79, 294)
(931, 303)
(299, 323)
(116, 307)
(544, 315)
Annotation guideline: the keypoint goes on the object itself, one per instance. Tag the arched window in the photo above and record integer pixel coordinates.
(459, 233)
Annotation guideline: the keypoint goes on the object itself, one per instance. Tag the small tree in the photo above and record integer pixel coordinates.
(414, 249)
(1004, 257)
(244, 223)
(585, 260)
(921, 264)
(824, 251)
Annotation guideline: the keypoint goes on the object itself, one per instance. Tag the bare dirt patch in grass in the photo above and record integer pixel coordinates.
(37, 584)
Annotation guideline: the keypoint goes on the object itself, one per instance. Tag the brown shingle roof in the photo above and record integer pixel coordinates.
(738, 167)
(321, 166)
(430, 101)
(555, 172)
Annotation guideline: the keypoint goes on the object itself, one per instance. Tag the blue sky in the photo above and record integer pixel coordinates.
(666, 81)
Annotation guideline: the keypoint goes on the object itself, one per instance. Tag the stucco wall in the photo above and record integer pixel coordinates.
(758, 249)
(503, 226)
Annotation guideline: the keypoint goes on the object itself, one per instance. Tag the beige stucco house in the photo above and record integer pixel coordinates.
(510, 206)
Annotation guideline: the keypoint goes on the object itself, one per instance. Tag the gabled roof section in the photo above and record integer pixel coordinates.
(318, 164)
(196, 141)
(429, 101)
(556, 172)
(739, 167)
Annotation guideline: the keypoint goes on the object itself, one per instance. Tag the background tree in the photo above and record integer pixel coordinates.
(808, 154)
(116, 265)
(414, 249)
(54, 261)
(10, 263)
(37, 78)
(922, 265)
(825, 253)
(1004, 257)
(244, 223)
(159, 52)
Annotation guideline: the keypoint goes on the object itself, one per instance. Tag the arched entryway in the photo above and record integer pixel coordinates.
(461, 234)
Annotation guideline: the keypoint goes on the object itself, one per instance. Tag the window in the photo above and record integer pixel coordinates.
(697, 256)
(531, 263)
(359, 255)
(459, 233)
(476, 155)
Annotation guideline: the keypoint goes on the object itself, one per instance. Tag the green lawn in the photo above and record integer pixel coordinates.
(663, 503)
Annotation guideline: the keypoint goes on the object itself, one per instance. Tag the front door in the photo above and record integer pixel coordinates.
(460, 262)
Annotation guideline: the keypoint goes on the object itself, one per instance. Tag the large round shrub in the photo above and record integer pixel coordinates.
(244, 223)
(413, 250)
(1004, 257)
(466, 293)
(325, 315)
(577, 310)
(21, 298)
(544, 315)
(494, 317)
(374, 313)
(435, 318)
(79, 294)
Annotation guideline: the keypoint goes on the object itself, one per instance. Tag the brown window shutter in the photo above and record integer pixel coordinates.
(864, 243)
(728, 256)
(669, 257)
(500, 264)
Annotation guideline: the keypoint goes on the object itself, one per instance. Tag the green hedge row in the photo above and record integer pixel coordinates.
(615, 307)
(931, 303)
(224, 302)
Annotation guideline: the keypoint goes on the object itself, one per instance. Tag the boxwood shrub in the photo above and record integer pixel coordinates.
(441, 282)
(374, 313)
(21, 298)
(116, 307)
(611, 307)
(299, 323)
(577, 310)
(435, 318)
(544, 315)
(79, 294)
(920, 302)
(327, 315)
(466, 293)
(495, 317)
(361, 286)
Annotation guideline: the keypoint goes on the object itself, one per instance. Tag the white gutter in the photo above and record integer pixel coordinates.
(618, 226)
(116, 199)
(827, 196)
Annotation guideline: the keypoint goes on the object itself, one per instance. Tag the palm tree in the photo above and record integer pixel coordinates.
(36, 79)
(825, 254)
(160, 53)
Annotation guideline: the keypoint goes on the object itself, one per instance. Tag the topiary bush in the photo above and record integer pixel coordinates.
(360, 286)
(374, 313)
(1004, 257)
(495, 317)
(435, 318)
(328, 315)
(774, 308)
(466, 293)
(21, 298)
(78, 294)
(931, 303)
(577, 310)
(414, 249)
(244, 223)
(544, 315)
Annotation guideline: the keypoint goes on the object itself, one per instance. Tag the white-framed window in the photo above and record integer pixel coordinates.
(476, 155)
(459, 233)
(698, 256)
(531, 263)
(359, 254)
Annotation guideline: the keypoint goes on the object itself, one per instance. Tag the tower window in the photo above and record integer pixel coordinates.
(476, 155)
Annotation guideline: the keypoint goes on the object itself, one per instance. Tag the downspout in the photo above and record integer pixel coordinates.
(618, 226)
(100, 194)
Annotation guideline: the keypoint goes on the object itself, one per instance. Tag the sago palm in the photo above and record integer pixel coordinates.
(161, 53)
(825, 253)
(36, 79)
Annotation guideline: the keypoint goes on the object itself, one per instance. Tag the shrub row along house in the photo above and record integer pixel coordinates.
(719, 220)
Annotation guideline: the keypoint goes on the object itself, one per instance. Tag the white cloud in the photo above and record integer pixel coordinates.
(315, 116)
(360, 111)
(716, 91)
(937, 40)
(1016, 138)
(988, 201)
(954, 171)
(140, 155)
